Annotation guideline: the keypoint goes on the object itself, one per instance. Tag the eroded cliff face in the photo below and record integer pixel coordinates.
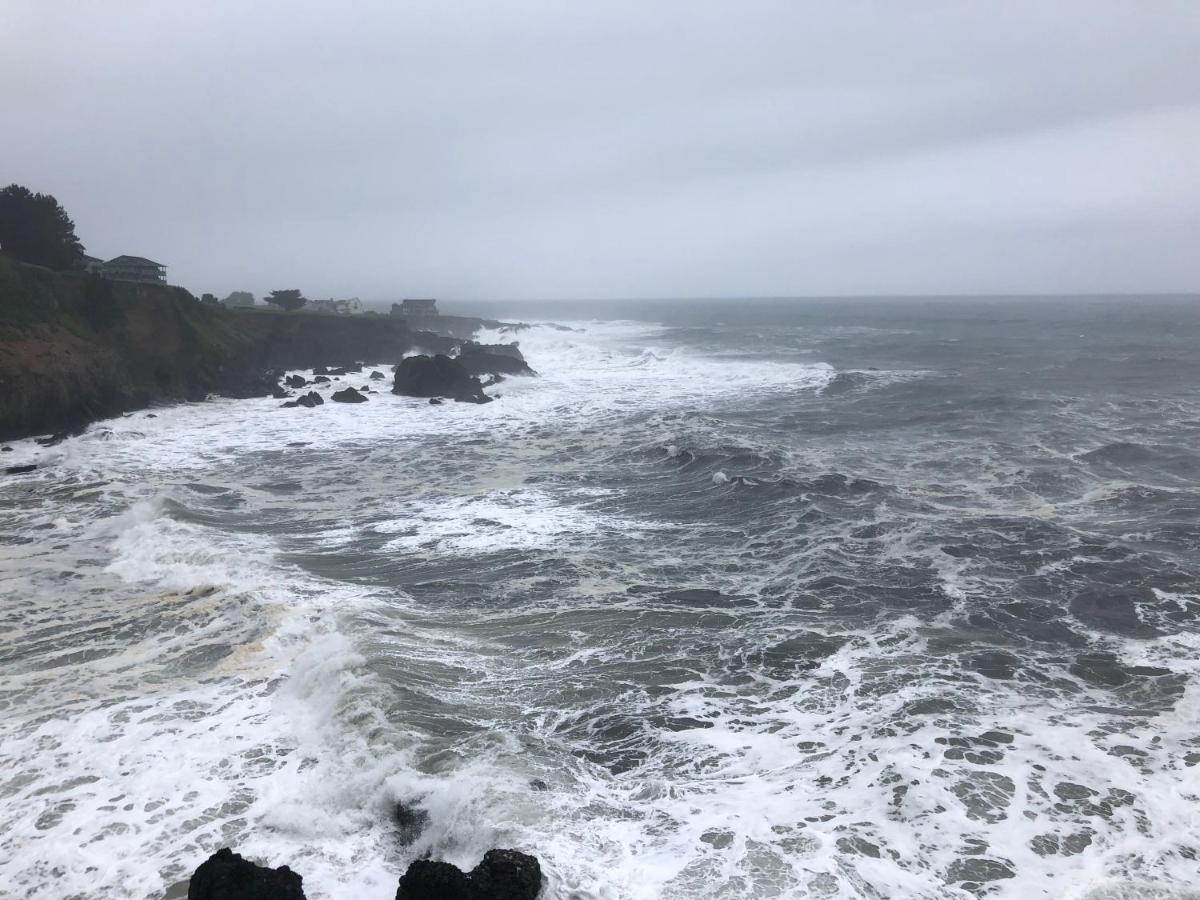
(74, 349)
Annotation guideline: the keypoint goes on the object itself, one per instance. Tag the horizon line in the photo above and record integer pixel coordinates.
(1194, 294)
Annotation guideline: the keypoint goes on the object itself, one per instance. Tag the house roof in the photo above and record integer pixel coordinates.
(134, 261)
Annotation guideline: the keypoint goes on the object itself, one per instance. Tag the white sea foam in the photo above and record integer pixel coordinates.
(193, 678)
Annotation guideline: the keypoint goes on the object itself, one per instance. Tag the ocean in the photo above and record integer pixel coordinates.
(829, 599)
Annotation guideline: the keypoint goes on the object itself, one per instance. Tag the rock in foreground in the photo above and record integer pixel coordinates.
(502, 875)
(437, 376)
(507, 875)
(227, 876)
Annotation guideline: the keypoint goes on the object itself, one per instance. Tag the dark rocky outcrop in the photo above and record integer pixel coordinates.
(296, 381)
(513, 349)
(493, 359)
(75, 349)
(377, 376)
(20, 470)
(309, 400)
(320, 379)
(461, 328)
(502, 875)
(348, 395)
(429, 880)
(227, 876)
(437, 376)
(507, 875)
(264, 383)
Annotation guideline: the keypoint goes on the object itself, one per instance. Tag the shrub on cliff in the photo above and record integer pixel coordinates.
(99, 307)
(35, 229)
(289, 300)
(239, 299)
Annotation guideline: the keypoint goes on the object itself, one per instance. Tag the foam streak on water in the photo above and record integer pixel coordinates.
(885, 606)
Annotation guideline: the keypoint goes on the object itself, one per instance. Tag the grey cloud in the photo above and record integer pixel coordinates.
(619, 149)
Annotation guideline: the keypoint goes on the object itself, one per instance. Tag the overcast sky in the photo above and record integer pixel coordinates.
(617, 149)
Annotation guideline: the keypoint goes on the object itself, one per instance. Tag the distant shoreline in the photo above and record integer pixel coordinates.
(75, 350)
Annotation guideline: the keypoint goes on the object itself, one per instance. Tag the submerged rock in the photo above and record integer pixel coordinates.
(19, 470)
(995, 664)
(348, 395)
(227, 876)
(1106, 670)
(437, 376)
(309, 400)
(411, 821)
(320, 379)
(502, 875)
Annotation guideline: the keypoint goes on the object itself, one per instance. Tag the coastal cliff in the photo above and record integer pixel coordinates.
(76, 348)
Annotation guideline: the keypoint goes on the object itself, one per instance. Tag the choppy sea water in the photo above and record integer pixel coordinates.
(742, 600)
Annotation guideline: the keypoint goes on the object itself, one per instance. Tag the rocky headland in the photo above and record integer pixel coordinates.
(76, 348)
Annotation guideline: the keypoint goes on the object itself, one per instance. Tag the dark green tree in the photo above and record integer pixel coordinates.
(289, 299)
(35, 229)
